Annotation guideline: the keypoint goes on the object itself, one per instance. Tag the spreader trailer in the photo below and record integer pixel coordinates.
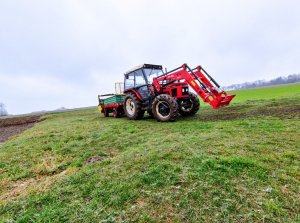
(165, 95)
(111, 103)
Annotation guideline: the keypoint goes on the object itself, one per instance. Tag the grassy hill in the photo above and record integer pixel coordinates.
(236, 164)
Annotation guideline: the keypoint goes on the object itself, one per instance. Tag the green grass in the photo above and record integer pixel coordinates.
(236, 164)
(276, 92)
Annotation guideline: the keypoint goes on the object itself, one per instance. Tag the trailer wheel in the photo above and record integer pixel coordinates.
(133, 107)
(106, 113)
(116, 113)
(165, 108)
(190, 106)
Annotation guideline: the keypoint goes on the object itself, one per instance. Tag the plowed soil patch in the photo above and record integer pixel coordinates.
(13, 126)
(289, 110)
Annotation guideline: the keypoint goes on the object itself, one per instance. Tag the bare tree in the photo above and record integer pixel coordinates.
(3, 111)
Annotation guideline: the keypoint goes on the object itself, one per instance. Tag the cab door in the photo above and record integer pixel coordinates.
(137, 81)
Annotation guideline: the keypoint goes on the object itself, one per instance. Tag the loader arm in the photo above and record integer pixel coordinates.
(198, 79)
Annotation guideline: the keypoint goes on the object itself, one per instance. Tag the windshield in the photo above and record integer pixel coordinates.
(152, 73)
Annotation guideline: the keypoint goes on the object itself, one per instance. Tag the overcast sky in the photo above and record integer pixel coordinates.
(64, 52)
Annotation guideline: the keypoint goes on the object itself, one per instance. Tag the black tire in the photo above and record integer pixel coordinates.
(133, 107)
(106, 113)
(116, 113)
(165, 108)
(190, 106)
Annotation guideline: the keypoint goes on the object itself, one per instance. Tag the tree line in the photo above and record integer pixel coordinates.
(293, 78)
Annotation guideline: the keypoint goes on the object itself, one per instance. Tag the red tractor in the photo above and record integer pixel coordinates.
(165, 95)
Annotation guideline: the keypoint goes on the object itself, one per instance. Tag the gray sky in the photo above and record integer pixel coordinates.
(64, 52)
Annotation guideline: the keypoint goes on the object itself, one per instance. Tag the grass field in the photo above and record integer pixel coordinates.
(276, 92)
(236, 164)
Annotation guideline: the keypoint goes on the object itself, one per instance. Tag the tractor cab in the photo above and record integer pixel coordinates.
(138, 78)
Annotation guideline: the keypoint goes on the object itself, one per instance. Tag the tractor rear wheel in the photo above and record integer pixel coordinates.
(190, 106)
(133, 107)
(165, 108)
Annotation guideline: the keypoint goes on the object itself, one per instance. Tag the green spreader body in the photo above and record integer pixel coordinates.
(113, 100)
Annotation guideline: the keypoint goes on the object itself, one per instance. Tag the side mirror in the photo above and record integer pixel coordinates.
(166, 71)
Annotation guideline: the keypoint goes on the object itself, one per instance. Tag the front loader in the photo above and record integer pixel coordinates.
(166, 95)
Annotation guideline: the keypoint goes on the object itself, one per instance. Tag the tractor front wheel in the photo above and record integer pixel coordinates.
(165, 108)
(133, 107)
(189, 106)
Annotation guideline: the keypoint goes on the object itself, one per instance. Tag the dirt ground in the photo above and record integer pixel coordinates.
(15, 125)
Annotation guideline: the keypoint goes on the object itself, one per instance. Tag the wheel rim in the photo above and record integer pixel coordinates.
(186, 108)
(163, 109)
(130, 106)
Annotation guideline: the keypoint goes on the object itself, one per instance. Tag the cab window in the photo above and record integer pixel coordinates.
(129, 81)
(139, 78)
(152, 73)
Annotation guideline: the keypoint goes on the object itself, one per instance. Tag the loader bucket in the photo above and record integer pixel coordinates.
(225, 100)
(218, 100)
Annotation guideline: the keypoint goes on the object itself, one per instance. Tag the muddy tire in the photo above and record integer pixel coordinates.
(133, 107)
(189, 107)
(165, 108)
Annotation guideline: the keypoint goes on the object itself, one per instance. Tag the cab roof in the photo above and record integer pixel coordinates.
(151, 66)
